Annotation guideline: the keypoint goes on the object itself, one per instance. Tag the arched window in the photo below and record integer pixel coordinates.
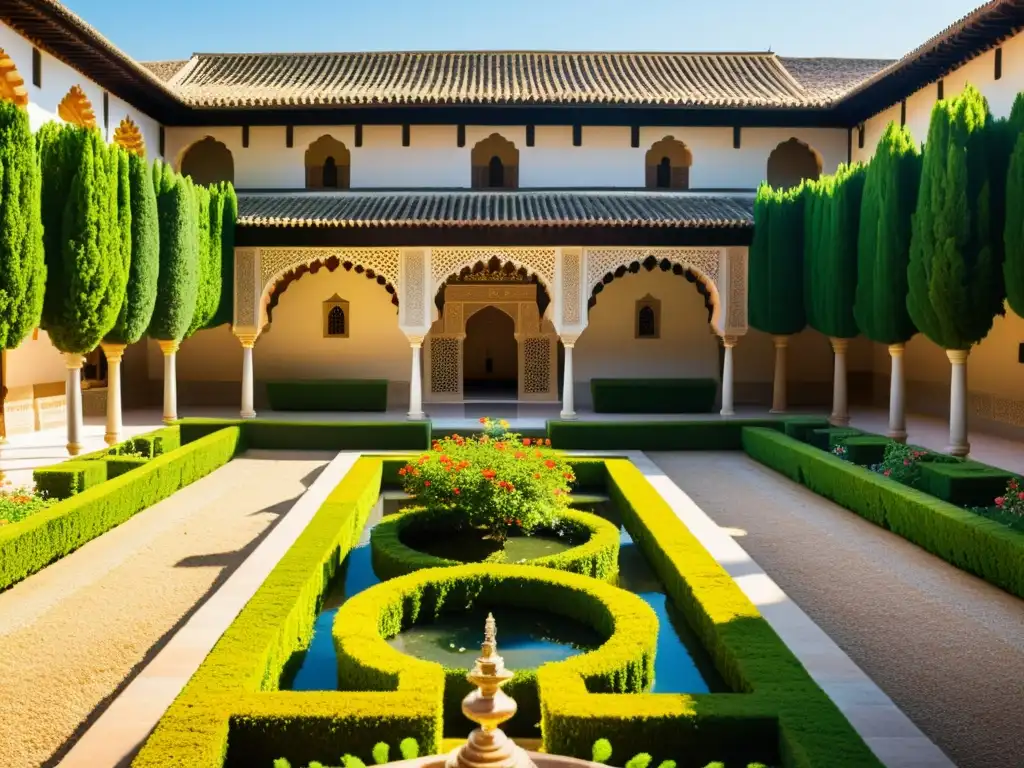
(648, 318)
(495, 164)
(208, 161)
(330, 173)
(336, 318)
(664, 180)
(327, 164)
(667, 165)
(496, 173)
(791, 162)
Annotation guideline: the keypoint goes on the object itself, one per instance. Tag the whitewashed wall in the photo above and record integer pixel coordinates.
(433, 158)
(57, 80)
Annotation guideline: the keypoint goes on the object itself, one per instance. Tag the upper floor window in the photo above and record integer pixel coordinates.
(648, 318)
(328, 164)
(208, 161)
(336, 317)
(495, 162)
(668, 165)
(792, 162)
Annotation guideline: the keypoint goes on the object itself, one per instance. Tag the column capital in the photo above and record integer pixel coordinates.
(415, 341)
(896, 350)
(73, 361)
(168, 346)
(569, 341)
(248, 340)
(957, 356)
(730, 341)
(839, 345)
(113, 352)
(781, 342)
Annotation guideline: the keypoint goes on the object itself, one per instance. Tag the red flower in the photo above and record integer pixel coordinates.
(1021, 496)
(906, 462)
(538, 454)
(500, 446)
(526, 441)
(483, 419)
(887, 472)
(547, 442)
(488, 474)
(426, 483)
(456, 491)
(568, 476)
(519, 522)
(1000, 501)
(484, 439)
(424, 459)
(550, 464)
(520, 455)
(536, 475)
(558, 491)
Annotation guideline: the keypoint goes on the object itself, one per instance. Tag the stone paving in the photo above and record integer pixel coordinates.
(72, 635)
(947, 648)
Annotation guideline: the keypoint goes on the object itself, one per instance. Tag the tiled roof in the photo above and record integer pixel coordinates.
(517, 208)
(524, 78)
(165, 70)
(828, 79)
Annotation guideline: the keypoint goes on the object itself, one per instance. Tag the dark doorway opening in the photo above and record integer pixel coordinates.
(490, 357)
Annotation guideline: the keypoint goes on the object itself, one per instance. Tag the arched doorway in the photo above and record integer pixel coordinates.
(490, 356)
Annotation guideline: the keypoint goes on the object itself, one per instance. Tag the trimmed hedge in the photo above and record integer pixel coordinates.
(707, 435)
(826, 439)
(782, 717)
(36, 541)
(119, 465)
(964, 483)
(597, 556)
(970, 542)
(653, 395)
(623, 664)
(866, 450)
(329, 395)
(800, 427)
(231, 711)
(313, 436)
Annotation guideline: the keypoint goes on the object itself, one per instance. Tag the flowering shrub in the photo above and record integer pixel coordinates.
(1013, 500)
(18, 503)
(841, 451)
(901, 463)
(497, 481)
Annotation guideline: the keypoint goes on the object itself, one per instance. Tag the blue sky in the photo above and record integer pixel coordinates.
(855, 28)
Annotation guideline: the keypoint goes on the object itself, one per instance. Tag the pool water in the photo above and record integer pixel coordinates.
(526, 638)
(525, 641)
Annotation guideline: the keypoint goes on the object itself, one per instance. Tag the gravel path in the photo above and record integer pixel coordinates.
(947, 647)
(74, 634)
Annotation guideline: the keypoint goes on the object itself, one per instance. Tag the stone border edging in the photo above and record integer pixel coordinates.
(128, 721)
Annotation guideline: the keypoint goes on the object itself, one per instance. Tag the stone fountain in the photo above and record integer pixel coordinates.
(488, 706)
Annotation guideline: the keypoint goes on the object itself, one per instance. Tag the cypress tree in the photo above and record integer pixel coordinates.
(216, 266)
(1013, 267)
(140, 295)
(225, 312)
(178, 281)
(955, 274)
(87, 271)
(208, 294)
(832, 267)
(890, 196)
(22, 264)
(776, 262)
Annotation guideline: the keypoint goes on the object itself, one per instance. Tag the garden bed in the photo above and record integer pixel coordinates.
(231, 713)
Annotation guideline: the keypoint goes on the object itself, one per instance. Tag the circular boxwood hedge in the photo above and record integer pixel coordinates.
(596, 556)
(624, 663)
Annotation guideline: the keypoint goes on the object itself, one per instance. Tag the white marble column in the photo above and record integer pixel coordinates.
(114, 354)
(416, 380)
(897, 390)
(568, 383)
(779, 394)
(958, 445)
(170, 352)
(248, 410)
(728, 342)
(840, 406)
(73, 402)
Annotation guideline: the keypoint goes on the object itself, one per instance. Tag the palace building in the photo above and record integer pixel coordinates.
(500, 225)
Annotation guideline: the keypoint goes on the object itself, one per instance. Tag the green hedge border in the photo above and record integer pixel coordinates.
(694, 395)
(597, 557)
(624, 663)
(30, 545)
(703, 435)
(343, 395)
(318, 436)
(783, 717)
(968, 541)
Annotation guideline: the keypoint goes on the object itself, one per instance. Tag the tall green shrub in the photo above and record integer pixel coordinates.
(955, 272)
(178, 281)
(22, 263)
(1013, 267)
(775, 302)
(833, 219)
(140, 295)
(86, 267)
(208, 295)
(225, 312)
(883, 246)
